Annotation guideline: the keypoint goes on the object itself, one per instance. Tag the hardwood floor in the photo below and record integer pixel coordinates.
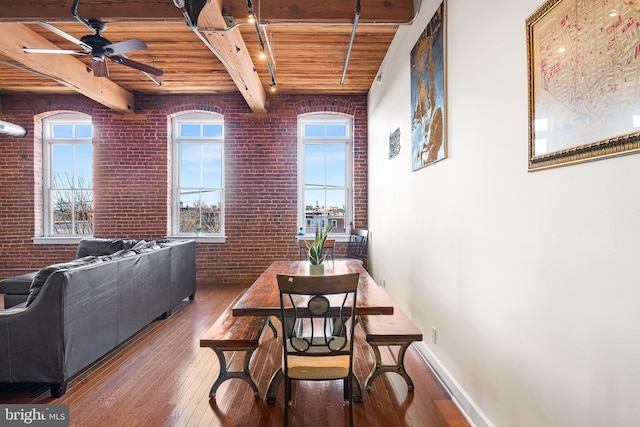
(162, 377)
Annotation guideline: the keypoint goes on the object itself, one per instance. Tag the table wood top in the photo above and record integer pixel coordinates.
(263, 298)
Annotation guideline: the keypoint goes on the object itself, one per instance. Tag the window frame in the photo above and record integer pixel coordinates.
(348, 141)
(201, 118)
(48, 139)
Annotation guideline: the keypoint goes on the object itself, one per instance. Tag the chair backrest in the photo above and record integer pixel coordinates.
(317, 314)
(329, 246)
(357, 247)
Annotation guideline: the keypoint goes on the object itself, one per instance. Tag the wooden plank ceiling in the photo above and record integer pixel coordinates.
(309, 43)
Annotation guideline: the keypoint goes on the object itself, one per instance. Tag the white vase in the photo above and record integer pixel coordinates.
(316, 270)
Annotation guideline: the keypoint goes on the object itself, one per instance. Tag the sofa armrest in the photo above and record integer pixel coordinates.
(13, 310)
(31, 339)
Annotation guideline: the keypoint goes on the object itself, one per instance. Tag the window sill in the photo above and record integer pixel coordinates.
(201, 238)
(67, 240)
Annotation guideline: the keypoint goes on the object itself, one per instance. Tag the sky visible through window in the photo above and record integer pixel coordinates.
(200, 163)
(64, 155)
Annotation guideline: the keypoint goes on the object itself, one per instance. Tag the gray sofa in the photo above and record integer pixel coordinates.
(77, 312)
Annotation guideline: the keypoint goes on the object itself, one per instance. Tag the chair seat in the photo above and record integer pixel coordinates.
(315, 368)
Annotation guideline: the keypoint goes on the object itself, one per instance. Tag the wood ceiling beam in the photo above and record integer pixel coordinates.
(65, 69)
(325, 11)
(115, 10)
(231, 47)
(271, 11)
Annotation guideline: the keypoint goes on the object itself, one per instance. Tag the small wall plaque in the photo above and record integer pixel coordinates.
(394, 143)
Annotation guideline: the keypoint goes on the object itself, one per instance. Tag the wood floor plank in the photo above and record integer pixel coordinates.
(161, 378)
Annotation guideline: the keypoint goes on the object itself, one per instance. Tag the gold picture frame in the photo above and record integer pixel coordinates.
(583, 63)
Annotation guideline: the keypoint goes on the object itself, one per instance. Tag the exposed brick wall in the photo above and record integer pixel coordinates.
(131, 178)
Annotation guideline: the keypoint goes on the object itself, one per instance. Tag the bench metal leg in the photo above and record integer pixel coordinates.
(225, 374)
(398, 368)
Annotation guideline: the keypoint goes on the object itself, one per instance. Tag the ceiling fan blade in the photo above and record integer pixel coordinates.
(65, 35)
(100, 68)
(126, 46)
(137, 65)
(65, 51)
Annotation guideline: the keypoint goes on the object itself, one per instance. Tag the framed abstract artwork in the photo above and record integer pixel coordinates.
(584, 81)
(428, 94)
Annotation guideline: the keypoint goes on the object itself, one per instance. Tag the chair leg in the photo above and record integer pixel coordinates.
(350, 381)
(287, 400)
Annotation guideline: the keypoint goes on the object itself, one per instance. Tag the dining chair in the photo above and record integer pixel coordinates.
(318, 321)
(357, 247)
(329, 248)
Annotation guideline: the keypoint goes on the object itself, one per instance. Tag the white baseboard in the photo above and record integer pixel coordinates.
(468, 407)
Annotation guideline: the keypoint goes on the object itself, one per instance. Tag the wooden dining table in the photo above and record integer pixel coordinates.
(263, 299)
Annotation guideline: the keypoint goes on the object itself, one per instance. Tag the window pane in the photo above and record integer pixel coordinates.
(336, 165)
(63, 131)
(83, 212)
(200, 209)
(83, 131)
(62, 166)
(314, 165)
(190, 130)
(84, 175)
(313, 130)
(210, 211)
(190, 165)
(61, 202)
(212, 165)
(212, 131)
(189, 211)
(336, 209)
(336, 130)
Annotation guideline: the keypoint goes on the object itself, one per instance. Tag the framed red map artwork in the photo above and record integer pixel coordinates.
(584, 81)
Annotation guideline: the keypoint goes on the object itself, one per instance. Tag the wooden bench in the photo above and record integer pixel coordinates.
(391, 331)
(233, 334)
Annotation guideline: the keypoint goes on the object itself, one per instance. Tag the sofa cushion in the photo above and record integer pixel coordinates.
(97, 247)
(120, 254)
(130, 243)
(17, 285)
(42, 275)
(144, 246)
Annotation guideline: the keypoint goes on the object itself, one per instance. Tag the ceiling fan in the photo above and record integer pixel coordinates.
(98, 47)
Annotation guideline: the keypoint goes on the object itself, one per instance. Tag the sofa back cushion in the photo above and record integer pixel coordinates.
(42, 275)
(97, 247)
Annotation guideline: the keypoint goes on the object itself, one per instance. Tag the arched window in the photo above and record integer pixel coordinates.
(67, 175)
(198, 175)
(325, 175)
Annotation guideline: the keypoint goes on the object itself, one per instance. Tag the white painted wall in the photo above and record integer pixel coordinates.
(532, 279)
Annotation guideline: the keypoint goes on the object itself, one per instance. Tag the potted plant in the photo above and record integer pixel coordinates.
(315, 249)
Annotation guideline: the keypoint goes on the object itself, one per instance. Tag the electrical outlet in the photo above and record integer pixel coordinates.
(434, 334)
(383, 283)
